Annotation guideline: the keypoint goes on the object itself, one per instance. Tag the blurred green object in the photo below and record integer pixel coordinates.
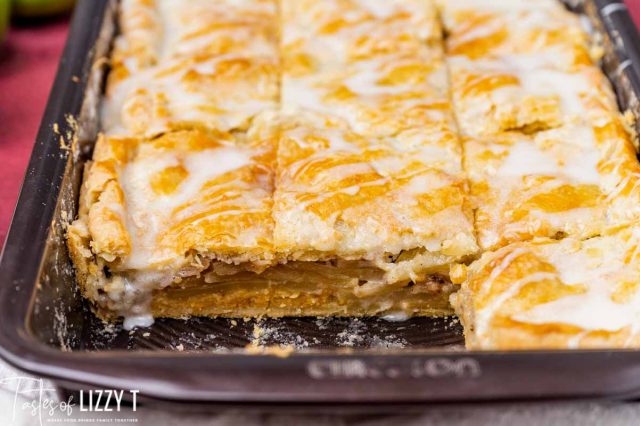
(39, 8)
(5, 11)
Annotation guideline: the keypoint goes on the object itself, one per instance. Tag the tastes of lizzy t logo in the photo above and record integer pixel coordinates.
(36, 398)
(103, 400)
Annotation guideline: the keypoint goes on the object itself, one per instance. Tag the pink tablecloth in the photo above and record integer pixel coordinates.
(28, 61)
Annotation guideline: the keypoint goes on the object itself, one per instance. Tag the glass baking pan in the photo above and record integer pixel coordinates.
(47, 329)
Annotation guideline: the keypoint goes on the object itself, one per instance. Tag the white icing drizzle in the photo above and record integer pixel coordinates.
(502, 6)
(484, 315)
(568, 86)
(183, 103)
(596, 311)
(496, 272)
(526, 158)
(148, 212)
(396, 316)
(593, 309)
(596, 266)
(382, 9)
(574, 342)
(133, 321)
(365, 81)
(620, 186)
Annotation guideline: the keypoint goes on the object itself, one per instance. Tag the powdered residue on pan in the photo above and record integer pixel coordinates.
(359, 334)
(270, 332)
(60, 328)
(305, 334)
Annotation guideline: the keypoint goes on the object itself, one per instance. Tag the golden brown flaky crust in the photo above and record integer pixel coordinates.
(345, 157)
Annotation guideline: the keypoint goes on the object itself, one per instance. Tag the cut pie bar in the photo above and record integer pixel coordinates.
(571, 180)
(534, 76)
(526, 186)
(154, 211)
(192, 64)
(377, 66)
(223, 93)
(553, 294)
(153, 32)
(500, 95)
(322, 35)
(546, 34)
(388, 201)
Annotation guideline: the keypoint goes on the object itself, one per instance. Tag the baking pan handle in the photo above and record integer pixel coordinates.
(624, 37)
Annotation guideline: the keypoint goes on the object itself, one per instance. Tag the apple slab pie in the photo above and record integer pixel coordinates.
(363, 158)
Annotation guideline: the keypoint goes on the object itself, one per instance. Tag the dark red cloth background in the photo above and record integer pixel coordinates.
(28, 61)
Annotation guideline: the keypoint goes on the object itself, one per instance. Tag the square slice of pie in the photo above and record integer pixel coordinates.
(398, 203)
(545, 185)
(156, 211)
(212, 92)
(549, 294)
(330, 33)
(501, 95)
(380, 97)
(155, 31)
(574, 180)
(547, 35)
(378, 66)
(180, 65)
